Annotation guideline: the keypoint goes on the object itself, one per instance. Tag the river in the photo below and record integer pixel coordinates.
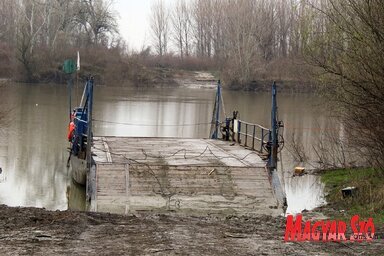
(33, 146)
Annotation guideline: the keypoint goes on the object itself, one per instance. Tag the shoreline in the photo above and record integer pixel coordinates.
(168, 78)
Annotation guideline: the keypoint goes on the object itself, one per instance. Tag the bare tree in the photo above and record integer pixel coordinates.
(283, 26)
(59, 15)
(177, 24)
(8, 18)
(159, 26)
(202, 12)
(348, 47)
(181, 24)
(218, 28)
(30, 22)
(97, 19)
(186, 27)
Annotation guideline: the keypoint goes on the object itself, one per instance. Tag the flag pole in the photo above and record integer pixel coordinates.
(77, 75)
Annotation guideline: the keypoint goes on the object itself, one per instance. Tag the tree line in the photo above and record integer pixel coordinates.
(35, 35)
(246, 40)
(243, 37)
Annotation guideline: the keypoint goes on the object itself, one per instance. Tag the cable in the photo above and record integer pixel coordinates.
(173, 154)
(150, 125)
(222, 103)
(282, 171)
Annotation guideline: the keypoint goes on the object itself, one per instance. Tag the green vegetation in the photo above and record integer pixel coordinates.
(369, 198)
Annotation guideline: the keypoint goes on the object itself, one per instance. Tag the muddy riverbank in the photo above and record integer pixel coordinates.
(33, 231)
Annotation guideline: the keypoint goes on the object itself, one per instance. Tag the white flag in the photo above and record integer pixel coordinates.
(78, 61)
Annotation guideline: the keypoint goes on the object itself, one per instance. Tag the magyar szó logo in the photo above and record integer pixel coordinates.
(328, 230)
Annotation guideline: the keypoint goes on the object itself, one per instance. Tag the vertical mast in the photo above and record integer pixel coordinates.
(70, 96)
(272, 159)
(216, 114)
(89, 120)
(274, 132)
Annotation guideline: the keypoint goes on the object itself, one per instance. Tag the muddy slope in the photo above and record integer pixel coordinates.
(31, 231)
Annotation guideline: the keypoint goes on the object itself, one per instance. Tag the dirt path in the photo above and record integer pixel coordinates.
(31, 231)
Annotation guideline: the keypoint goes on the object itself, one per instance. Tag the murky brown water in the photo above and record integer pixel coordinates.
(33, 144)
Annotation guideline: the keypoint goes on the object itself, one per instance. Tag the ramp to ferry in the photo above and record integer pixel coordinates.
(191, 176)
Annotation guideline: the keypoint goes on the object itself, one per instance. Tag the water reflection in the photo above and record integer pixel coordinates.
(33, 148)
(156, 113)
(76, 196)
(305, 192)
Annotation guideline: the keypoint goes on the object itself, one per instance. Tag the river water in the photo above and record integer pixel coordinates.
(33, 146)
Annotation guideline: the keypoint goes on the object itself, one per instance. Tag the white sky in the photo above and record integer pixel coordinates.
(134, 21)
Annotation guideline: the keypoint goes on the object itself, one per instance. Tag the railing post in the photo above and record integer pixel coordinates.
(253, 137)
(262, 140)
(227, 122)
(246, 134)
(272, 161)
(238, 132)
(235, 113)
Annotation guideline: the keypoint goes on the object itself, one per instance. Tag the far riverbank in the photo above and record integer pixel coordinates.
(177, 78)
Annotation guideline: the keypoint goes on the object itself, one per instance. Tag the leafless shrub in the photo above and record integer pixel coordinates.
(349, 52)
(295, 147)
(329, 149)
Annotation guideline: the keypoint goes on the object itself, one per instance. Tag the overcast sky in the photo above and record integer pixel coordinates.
(134, 21)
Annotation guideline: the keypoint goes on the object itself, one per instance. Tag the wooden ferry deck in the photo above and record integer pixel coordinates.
(191, 176)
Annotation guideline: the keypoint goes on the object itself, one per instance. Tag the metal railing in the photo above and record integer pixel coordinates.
(252, 135)
(249, 135)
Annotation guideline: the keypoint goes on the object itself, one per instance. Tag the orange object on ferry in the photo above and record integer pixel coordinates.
(71, 130)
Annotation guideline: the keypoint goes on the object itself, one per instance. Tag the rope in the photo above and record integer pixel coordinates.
(222, 103)
(282, 172)
(213, 120)
(150, 125)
